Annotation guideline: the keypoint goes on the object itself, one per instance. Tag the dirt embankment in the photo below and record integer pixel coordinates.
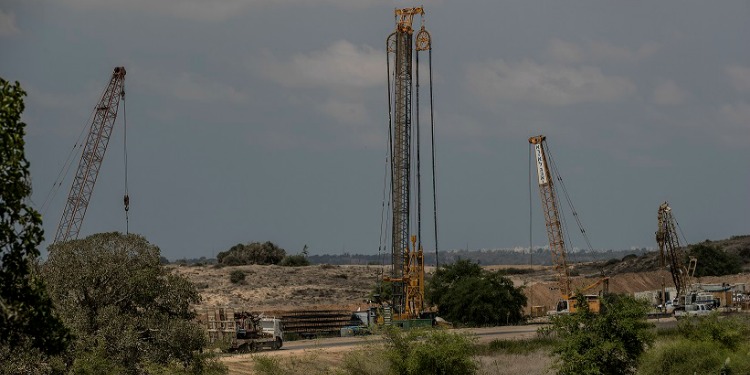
(275, 288)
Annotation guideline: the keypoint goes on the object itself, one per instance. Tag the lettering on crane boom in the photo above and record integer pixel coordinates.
(541, 169)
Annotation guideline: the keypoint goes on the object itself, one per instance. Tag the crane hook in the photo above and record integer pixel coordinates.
(126, 201)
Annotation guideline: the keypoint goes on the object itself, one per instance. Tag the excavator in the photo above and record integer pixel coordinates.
(551, 209)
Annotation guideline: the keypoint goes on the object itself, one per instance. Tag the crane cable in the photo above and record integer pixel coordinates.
(569, 201)
(126, 198)
(432, 135)
(419, 166)
(67, 165)
(383, 218)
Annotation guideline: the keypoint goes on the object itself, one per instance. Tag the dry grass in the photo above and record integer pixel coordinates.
(534, 363)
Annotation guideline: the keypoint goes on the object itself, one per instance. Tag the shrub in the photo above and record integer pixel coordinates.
(429, 352)
(612, 261)
(237, 276)
(252, 253)
(609, 342)
(294, 261)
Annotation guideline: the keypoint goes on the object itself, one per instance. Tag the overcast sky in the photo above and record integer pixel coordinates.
(256, 120)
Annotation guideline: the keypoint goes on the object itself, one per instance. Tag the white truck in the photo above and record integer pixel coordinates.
(693, 309)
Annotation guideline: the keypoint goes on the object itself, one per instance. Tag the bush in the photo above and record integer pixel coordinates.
(466, 294)
(252, 253)
(705, 345)
(429, 352)
(612, 261)
(294, 261)
(609, 342)
(237, 276)
(714, 261)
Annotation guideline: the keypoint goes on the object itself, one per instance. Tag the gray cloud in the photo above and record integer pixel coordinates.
(548, 84)
(739, 77)
(190, 87)
(598, 51)
(8, 24)
(341, 65)
(214, 10)
(668, 93)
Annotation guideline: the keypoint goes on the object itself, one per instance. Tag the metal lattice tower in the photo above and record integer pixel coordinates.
(671, 252)
(105, 114)
(551, 216)
(407, 273)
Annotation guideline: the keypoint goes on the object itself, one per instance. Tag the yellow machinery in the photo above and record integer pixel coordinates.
(551, 211)
(407, 257)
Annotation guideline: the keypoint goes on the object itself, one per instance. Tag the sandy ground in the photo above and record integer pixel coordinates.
(272, 289)
(275, 288)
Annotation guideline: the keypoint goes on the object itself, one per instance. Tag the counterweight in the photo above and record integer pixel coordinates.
(105, 114)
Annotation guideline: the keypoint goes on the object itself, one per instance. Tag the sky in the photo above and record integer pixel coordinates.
(266, 120)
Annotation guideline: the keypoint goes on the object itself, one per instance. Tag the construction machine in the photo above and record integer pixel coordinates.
(92, 156)
(407, 254)
(672, 257)
(242, 331)
(552, 218)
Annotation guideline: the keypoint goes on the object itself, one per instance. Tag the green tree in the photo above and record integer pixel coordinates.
(127, 311)
(609, 342)
(714, 261)
(252, 253)
(27, 317)
(466, 294)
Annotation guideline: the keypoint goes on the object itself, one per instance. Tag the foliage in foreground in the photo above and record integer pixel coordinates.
(129, 314)
(469, 295)
(610, 342)
(703, 345)
(29, 327)
(412, 352)
(524, 346)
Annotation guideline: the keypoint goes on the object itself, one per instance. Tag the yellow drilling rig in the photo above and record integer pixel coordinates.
(403, 48)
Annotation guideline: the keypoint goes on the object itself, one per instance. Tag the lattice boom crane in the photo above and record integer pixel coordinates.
(97, 140)
(672, 255)
(555, 235)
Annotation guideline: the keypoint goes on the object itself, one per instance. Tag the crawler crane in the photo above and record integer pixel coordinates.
(552, 217)
(105, 114)
(673, 256)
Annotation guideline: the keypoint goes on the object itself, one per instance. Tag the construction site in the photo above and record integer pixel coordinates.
(329, 309)
(273, 305)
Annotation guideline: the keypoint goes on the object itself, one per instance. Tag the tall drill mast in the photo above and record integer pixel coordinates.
(671, 252)
(105, 114)
(551, 216)
(407, 273)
